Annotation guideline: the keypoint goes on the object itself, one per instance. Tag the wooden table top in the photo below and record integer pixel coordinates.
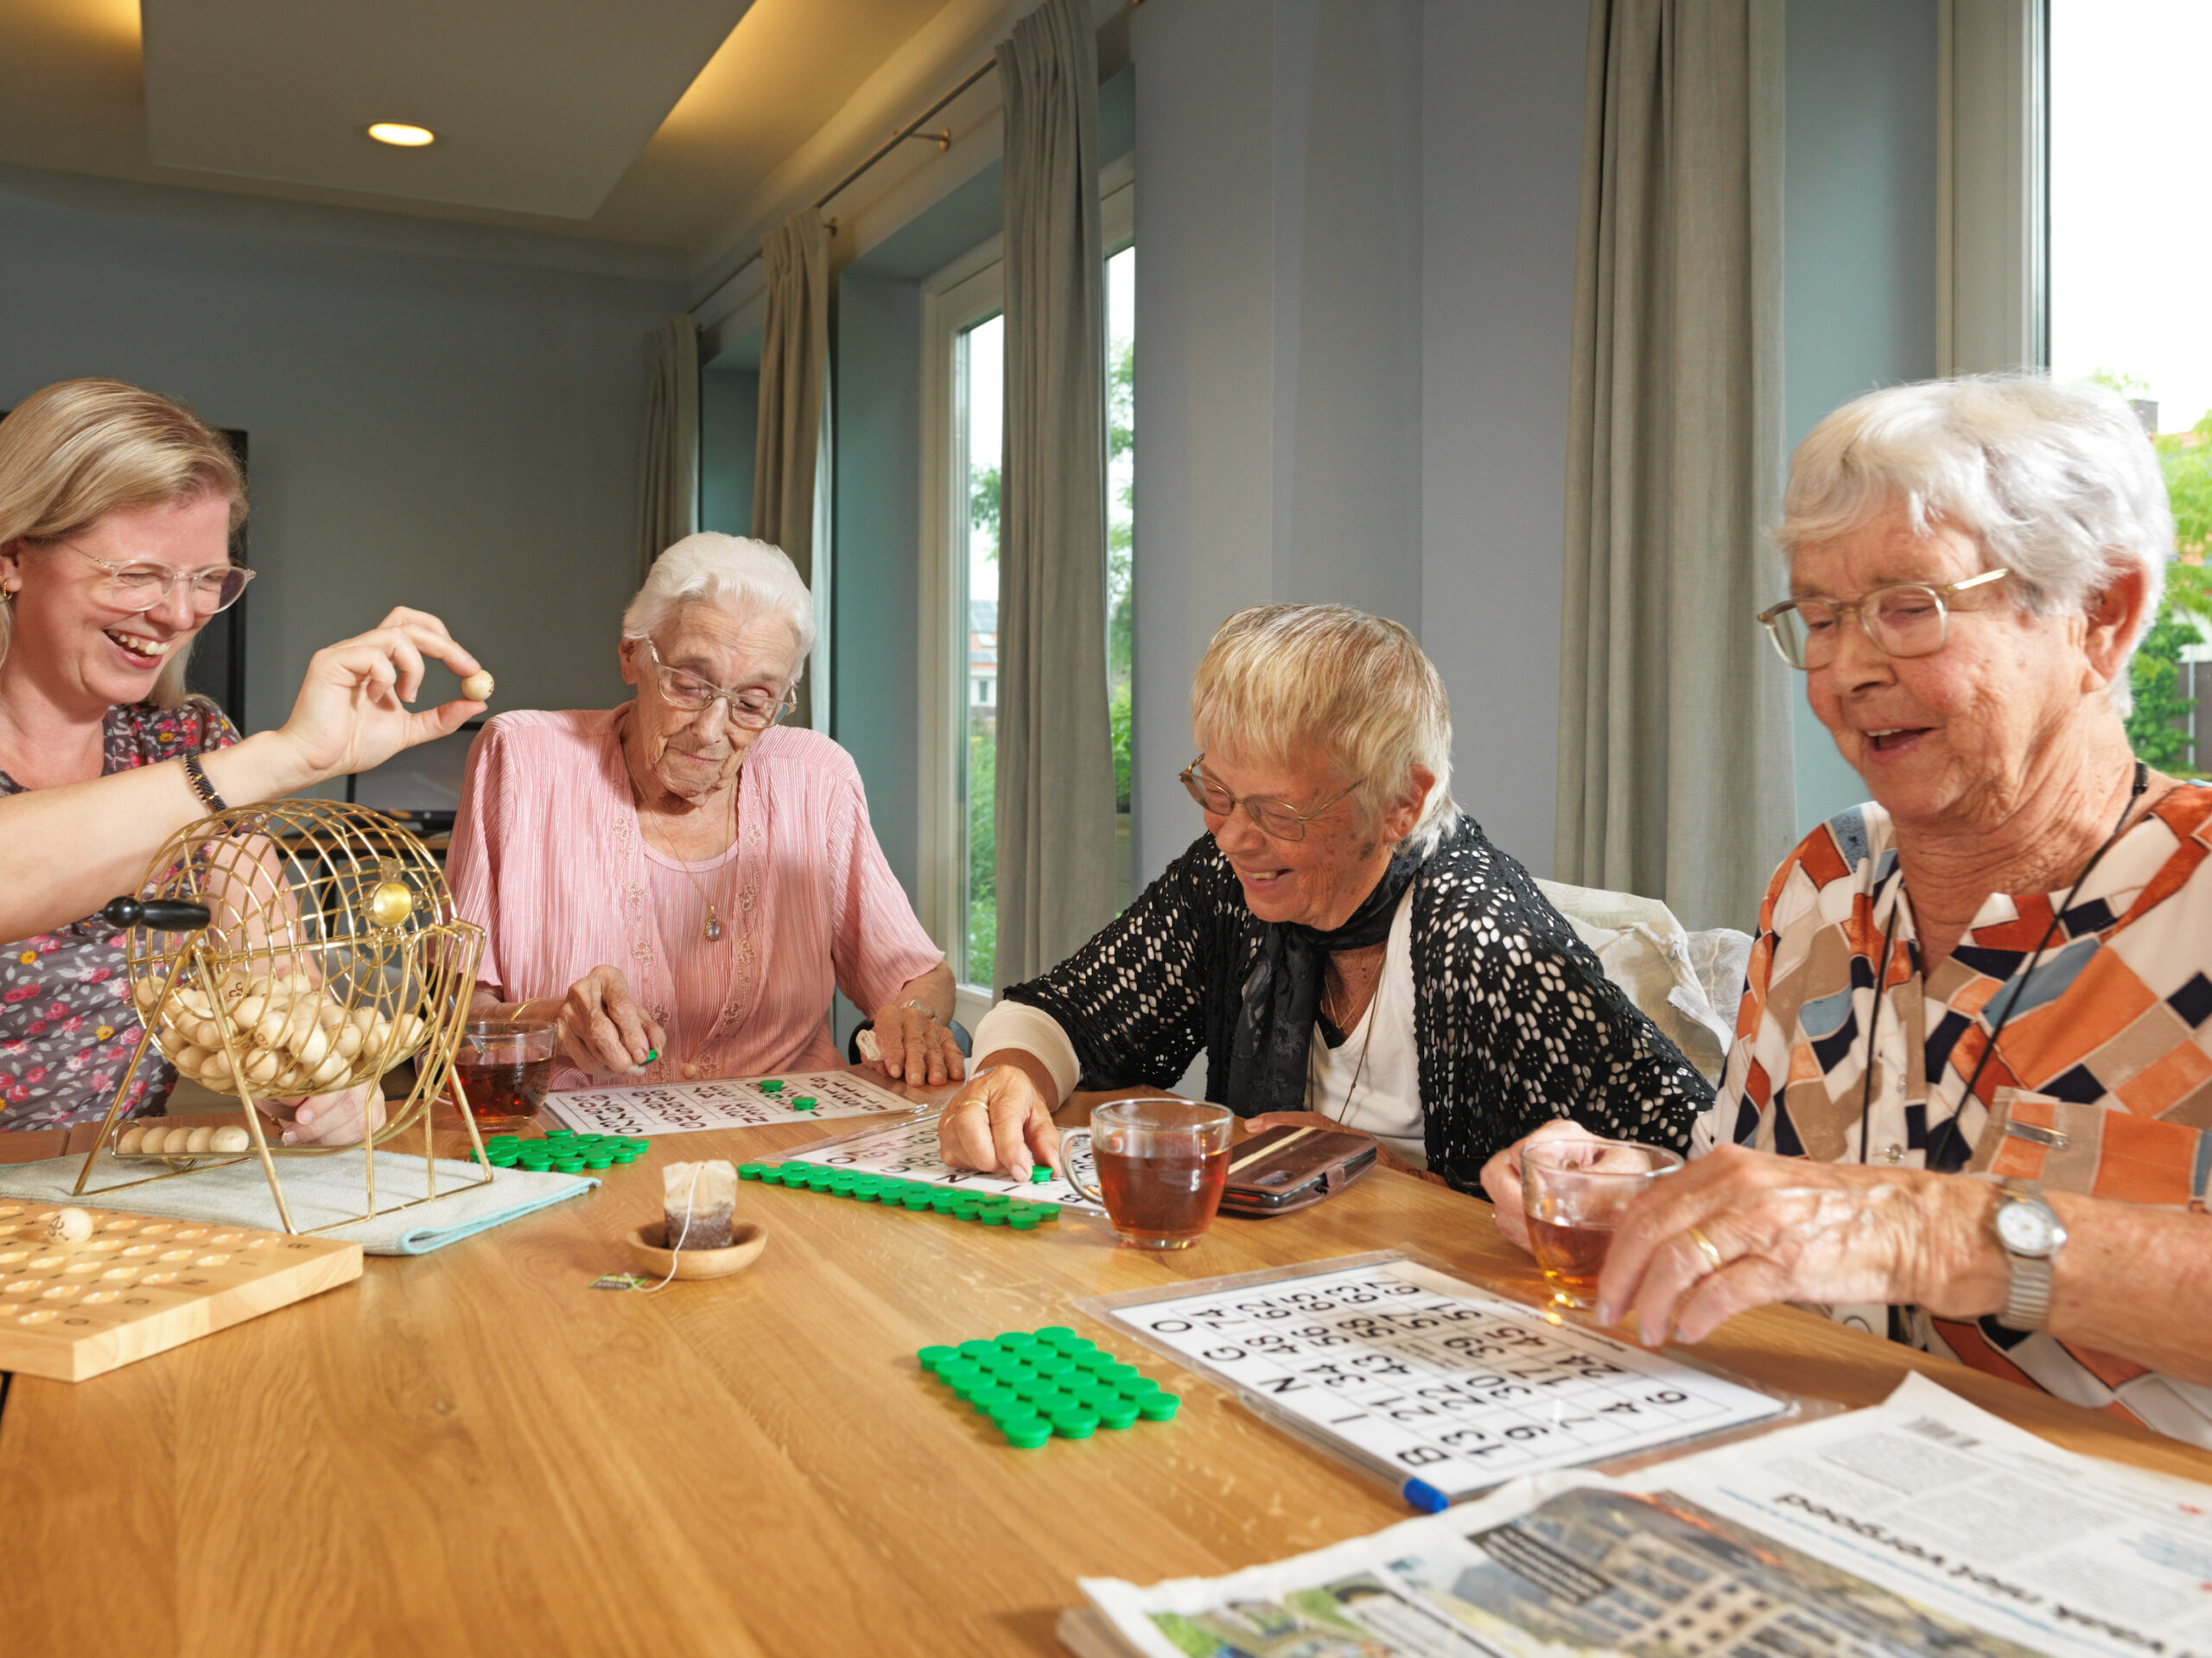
(474, 1451)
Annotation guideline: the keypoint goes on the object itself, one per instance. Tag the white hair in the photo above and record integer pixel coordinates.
(1283, 680)
(2055, 481)
(731, 572)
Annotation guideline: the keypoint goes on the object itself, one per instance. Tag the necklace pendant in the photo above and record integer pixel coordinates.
(714, 927)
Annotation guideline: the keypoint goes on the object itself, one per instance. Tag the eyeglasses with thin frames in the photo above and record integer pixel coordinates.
(754, 709)
(140, 587)
(1276, 819)
(1909, 619)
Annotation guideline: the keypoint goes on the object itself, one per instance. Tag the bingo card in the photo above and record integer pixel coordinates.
(1409, 1371)
(909, 1150)
(733, 1102)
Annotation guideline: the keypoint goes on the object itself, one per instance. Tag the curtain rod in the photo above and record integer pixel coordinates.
(911, 129)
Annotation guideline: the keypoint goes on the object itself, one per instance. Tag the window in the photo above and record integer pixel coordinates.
(963, 387)
(979, 386)
(2128, 245)
(1120, 539)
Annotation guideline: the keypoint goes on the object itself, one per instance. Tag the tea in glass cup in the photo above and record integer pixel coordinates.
(1161, 1164)
(1574, 1192)
(504, 1067)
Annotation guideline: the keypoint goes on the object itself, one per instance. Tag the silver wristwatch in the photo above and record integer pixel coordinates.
(2028, 1232)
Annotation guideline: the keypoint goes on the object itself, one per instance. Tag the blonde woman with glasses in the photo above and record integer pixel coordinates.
(116, 512)
(2001, 964)
(1342, 945)
(682, 882)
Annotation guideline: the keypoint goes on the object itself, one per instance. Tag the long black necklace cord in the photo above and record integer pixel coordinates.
(1950, 1124)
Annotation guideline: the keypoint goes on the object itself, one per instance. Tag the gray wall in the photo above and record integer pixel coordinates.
(729, 422)
(446, 432)
(878, 565)
(1356, 237)
(1858, 280)
(1502, 110)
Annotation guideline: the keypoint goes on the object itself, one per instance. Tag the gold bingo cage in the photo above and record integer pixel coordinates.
(297, 948)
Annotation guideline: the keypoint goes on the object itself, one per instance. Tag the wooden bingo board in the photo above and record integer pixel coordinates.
(733, 1102)
(1422, 1378)
(141, 1284)
(908, 1149)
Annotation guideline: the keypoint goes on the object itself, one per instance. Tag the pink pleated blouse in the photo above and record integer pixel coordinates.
(548, 859)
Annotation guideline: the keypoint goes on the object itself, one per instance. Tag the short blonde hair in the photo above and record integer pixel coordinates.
(731, 572)
(2054, 481)
(80, 449)
(1280, 680)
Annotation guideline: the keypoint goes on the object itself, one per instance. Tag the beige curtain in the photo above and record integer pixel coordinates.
(794, 372)
(1055, 806)
(1675, 776)
(668, 451)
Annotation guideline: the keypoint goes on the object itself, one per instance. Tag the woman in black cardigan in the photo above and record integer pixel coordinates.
(1342, 943)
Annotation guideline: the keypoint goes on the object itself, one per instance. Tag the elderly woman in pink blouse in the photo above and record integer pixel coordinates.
(682, 882)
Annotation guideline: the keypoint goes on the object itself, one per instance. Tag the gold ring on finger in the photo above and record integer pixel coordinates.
(1708, 1248)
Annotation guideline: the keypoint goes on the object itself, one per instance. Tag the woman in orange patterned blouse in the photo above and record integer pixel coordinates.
(1972, 564)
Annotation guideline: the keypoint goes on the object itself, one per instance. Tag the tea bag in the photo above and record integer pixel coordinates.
(699, 1201)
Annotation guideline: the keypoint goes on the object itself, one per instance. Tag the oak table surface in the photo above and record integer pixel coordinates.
(474, 1451)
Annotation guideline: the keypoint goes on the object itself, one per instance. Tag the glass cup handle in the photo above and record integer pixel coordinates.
(1067, 1165)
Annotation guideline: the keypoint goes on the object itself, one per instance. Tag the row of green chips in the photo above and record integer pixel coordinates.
(563, 1151)
(1035, 1383)
(988, 1207)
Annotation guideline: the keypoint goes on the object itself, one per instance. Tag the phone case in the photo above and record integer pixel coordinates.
(1280, 1170)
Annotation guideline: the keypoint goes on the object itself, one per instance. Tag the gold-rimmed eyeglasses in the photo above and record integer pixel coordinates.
(754, 709)
(139, 587)
(1276, 819)
(1910, 619)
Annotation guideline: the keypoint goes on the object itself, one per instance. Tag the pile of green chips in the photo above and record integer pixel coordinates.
(917, 1197)
(563, 1151)
(1033, 1384)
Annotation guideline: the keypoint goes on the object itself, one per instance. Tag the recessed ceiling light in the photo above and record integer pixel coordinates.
(400, 133)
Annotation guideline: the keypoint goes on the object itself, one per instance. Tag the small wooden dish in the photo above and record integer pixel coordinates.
(746, 1241)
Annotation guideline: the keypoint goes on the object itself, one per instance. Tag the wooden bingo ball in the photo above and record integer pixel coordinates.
(477, 688)
(68, 1226)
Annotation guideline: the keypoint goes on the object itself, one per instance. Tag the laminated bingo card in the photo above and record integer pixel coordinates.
(908, 1149)
(678, 1108)
(1428, 1382)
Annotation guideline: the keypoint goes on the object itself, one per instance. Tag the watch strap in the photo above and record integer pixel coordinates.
(2027, 1297)
(197, 775)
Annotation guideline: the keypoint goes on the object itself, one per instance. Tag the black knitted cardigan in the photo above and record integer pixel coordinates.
(1514, 1021)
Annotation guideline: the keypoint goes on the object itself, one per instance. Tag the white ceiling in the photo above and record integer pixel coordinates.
(553, 119)
(539, 106)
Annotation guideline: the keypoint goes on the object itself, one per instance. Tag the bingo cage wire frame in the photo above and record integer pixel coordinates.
(292, 948)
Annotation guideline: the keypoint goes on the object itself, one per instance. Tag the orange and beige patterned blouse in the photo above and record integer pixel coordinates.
(2117, 1016)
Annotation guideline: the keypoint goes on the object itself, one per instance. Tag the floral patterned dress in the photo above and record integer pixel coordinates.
(68, 1025)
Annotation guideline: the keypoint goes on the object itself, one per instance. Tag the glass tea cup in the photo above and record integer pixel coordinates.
(503, 1067)
(1574, 1191)
(1162, 1165)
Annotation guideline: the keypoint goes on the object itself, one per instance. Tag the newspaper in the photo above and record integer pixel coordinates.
(1923, 1525)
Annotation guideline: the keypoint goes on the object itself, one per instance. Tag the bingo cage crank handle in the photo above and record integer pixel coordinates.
(161, 914)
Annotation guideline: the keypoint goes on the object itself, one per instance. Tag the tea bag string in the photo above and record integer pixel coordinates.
(677, 1248)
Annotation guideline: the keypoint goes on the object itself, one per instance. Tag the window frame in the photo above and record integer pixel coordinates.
(969, 290)
(1992, 186)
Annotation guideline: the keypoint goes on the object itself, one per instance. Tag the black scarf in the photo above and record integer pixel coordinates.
(1275, 1026)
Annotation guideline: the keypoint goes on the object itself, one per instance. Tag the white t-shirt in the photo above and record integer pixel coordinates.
(1386, 1101)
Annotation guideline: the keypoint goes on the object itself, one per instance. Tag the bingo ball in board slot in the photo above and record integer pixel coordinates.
(330, 950)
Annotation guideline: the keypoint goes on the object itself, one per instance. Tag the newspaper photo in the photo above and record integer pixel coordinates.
(1923, 1525)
